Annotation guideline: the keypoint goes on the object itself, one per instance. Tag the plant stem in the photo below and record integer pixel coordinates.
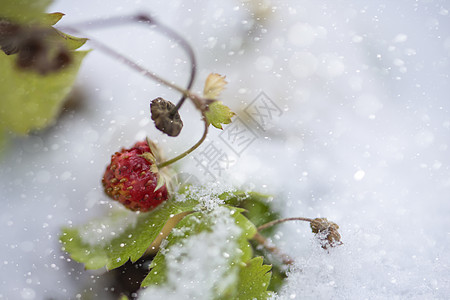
(270, 224)
(182, 155)
(144, 19)
(200, 103)
(263, 242)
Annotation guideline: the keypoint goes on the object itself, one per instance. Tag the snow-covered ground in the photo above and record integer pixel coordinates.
(361, 137)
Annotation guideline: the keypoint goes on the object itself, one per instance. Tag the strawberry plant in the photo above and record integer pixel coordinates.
(208, 235)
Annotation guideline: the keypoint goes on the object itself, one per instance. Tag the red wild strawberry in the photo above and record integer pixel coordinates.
(132, 177)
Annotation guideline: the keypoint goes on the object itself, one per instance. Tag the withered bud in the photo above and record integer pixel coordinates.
(166, 118)
(327, 232)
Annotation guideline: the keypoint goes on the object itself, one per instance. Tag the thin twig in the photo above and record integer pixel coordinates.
(270, 224)
(198, 102)
(170, 161)
(113, 53)
(143, 19)
(263, 242)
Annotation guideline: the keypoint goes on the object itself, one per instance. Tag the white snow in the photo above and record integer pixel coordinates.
(363, 140)
(102, 231)
(199, 266)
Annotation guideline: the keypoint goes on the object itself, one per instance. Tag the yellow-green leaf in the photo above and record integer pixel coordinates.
(219, 114)
(30, 101)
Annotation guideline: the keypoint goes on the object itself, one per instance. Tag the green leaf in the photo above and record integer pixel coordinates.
(254, 279)
(219, 114)
(259, 210)
(29, 100)
(114, 240)
(200, 241)
(24, 11)
(258, 207)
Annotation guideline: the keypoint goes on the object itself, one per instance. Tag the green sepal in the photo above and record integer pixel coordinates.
(219, 114)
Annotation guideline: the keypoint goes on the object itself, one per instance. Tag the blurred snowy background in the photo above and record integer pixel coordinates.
(362, 138)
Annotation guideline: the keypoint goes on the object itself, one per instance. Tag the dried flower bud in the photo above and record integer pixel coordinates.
(166, 119)
(327, 232)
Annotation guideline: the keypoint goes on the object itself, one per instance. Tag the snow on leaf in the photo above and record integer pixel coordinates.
(219, 114)
(214, 85)
(254, 279)
(130, 242)
(205, 249)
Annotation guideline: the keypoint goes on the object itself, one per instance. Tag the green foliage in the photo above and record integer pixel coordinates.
(30, 100)
(259, 211)
(219, 114)
(195, 224)
(123, 236)
(126, 235)
(226, 287)
(254, 278)
(257, 207)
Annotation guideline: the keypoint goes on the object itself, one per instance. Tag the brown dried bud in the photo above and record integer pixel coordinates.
(166, 118)
(327, 232)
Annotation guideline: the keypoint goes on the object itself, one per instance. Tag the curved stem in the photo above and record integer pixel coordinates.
(182, 155)
(187, 47)
(198, 102)
(274, 250)
(144, 19)
(270, 224)
(109, 51)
